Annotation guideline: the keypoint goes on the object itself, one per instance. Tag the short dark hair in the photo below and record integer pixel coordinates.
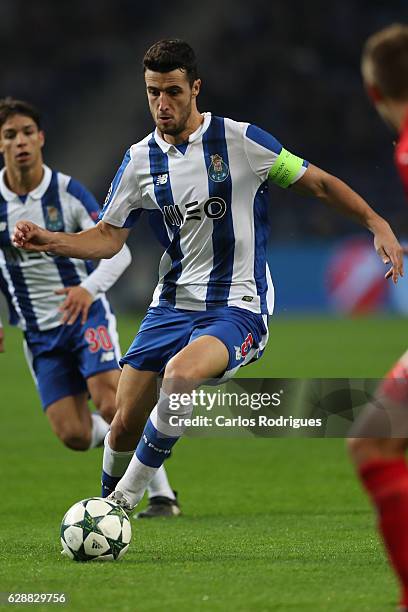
(170, 54)
(387, 51)
(10, 106)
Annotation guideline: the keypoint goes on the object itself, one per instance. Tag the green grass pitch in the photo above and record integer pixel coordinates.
(269, 524)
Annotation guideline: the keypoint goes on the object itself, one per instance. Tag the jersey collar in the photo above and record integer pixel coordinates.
(36, 193)
(202, 128)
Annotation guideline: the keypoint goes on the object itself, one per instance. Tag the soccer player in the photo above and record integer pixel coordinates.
(70, 337)
(380, 461)
(208, 177)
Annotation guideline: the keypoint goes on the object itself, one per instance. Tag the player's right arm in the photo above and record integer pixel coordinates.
(100, 242)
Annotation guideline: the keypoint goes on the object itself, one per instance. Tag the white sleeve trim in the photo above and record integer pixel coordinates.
(107, 272)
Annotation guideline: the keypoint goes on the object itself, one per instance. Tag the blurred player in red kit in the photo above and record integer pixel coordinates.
(380, 461)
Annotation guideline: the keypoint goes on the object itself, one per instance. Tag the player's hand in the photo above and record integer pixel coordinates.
(77, 303)
(31, 237)
(405, 252)
(2, 349)
(390, 251)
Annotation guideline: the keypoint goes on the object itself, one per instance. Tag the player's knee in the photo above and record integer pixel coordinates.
(179, 374)
(75, 439)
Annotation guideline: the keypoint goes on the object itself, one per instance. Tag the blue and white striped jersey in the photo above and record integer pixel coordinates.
(213, 195)
(28, 280)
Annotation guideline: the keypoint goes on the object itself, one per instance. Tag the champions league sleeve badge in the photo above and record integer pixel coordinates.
(218, 170)
(54, 221)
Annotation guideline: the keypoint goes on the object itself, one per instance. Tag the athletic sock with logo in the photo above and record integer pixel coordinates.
(163, 428)
(115, 464)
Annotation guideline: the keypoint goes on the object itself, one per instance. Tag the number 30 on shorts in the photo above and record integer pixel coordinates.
(98, 338)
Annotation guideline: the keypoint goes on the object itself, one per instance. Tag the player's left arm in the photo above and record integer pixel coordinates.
(270, 160)
(338, 195)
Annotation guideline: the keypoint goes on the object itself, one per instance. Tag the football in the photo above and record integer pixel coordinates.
(95, 529)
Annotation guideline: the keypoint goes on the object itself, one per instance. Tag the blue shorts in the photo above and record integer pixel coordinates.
(62, 358)
(166, 330)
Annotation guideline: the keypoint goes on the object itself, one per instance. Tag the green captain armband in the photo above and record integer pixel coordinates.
(285, 169)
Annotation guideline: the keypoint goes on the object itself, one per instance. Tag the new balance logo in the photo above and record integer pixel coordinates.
(162, 179)
(3, 226)
(107, 356)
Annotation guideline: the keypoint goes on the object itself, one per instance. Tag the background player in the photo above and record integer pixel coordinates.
(208, 177)
(71, 342)
(380, 461)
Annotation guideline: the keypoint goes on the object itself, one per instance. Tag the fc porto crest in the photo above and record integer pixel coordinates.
(54, 221)
(218, 170)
